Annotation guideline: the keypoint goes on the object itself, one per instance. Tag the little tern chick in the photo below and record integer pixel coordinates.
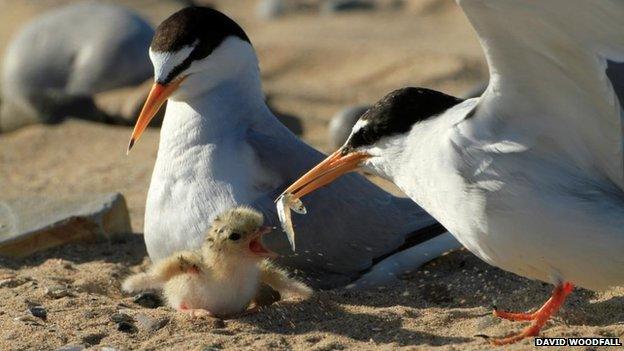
(223, 276)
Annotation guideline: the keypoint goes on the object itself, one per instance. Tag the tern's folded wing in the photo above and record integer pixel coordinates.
(348, 223)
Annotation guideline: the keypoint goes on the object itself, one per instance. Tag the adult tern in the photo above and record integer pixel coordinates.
(221, 147)
(58, 60)
(529, 177)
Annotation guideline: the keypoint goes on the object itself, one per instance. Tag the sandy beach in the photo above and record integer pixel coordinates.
(312, 66)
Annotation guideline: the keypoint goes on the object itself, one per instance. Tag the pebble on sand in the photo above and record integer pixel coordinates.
(57, 291)
(335, 6)
(39, 312)
(148, 299)
(126, 327)
(121, 317)
(270, 9)
(342, 122)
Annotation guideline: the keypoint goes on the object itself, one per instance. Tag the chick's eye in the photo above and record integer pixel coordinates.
(234, 236)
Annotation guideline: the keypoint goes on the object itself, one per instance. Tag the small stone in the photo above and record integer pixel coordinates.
(11, 335)
(93, 339)
(150, 324)
(145, 322)
(313, 339)
(71, 348)
(121, 317)
(218, 323)
(126, 327)
(147, 299)
(28, 319)
(39, 312)
(334, 6)
(342, 122)
(161, 323)
(128, 311)
(13, 282)
(270, 9)
(30, 302)
(56, 291)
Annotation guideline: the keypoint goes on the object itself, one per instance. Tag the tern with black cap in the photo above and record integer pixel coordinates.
(221, 147)
(529, 176)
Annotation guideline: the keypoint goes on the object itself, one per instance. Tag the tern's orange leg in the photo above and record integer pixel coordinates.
(520, 316)
(539, 318)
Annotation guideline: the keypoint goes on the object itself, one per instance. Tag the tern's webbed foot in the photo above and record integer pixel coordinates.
(538, 318)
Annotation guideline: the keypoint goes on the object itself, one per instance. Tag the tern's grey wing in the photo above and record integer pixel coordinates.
(348, 223)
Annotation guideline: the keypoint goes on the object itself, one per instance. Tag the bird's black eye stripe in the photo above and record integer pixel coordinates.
(201, 27)
(397, 112)
(363, 137)
(234, 236)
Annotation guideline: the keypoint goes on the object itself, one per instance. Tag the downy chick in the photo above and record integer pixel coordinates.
(224, 276)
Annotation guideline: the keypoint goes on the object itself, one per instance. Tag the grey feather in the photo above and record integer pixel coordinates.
(348, 223)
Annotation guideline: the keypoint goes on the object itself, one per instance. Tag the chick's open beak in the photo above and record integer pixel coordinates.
(327, 171)
(256, 246)
(156, 98)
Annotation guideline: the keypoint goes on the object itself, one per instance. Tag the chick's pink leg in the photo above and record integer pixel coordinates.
(193, 312)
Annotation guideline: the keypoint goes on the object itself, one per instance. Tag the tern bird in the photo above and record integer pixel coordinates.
(57, 61)
(529, 177)
(221, 147)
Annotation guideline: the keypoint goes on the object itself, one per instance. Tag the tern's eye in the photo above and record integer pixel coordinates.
(234, 236)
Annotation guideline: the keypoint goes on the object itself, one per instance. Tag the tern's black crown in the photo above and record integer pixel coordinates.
(203, 27)
(397, 112)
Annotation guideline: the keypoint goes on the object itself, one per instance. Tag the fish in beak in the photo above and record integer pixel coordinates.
(155, 99)
(330, 169)
(327, 171)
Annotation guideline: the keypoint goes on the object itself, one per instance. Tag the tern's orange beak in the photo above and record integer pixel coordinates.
(156, 98)
(326, 172)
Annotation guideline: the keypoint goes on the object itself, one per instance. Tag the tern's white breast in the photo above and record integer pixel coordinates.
(515, 207)
(201, 170)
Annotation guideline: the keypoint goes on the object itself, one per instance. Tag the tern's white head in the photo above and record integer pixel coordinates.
(195, 50)
(378, 133)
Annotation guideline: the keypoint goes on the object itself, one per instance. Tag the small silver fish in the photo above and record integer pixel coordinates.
(286, 203)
